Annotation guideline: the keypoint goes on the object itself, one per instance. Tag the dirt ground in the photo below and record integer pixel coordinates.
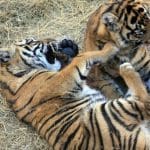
(41, 19)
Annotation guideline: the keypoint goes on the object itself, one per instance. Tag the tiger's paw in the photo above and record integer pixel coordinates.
(4, 56)
(126, 69)
(68, 47)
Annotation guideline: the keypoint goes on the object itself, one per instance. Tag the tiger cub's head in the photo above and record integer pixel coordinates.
(49, 54)
(126, 22)
(31, 53)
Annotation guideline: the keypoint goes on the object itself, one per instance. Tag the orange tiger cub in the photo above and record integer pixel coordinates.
(65, 110)
(127, 24)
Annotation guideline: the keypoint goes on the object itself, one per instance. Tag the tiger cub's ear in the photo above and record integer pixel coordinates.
(25, 41)
(111, 22)
(4, 56)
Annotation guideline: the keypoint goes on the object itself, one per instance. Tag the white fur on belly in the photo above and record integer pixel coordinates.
(94, 94)
(145, 127)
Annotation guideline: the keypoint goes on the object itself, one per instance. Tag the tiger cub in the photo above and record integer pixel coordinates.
(65, 110)
(127, 24)
(48, 54)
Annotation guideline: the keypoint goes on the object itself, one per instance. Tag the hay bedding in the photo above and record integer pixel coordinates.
(38, 18)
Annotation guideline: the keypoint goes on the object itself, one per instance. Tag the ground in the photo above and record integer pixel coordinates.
(41, 19)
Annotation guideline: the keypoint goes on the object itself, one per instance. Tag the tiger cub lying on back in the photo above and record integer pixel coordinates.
(49, 53)
(126, 23)
(64, 110)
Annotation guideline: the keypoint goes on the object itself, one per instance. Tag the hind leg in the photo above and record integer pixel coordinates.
(133, 81)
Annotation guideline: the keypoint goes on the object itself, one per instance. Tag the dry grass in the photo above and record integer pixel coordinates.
(38, 18)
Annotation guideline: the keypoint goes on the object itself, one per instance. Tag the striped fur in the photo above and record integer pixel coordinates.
(127, 24)
(39, 53)
(70, 115)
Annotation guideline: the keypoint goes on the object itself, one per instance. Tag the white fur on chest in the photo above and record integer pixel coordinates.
(145, 127)
(92, 93)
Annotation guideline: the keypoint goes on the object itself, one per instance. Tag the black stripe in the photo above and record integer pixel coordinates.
(25, 62)
(126, 18)
(4, 85)
(59, 112)
(133, 54)
(92, 125)
(30, 100)
(23, 107)
(75, 147)
(116, 110)
(124, 143)
(126, 111)
(30, 79)
(76, 101)
(130, 143)
(118, 7)
(145, 148)
(66, 120)
(64, 128)
(121, 122)
(129, 28)
(121, 15)
(99, 132)
(110, 8)
(26, 81)
(78, 85)
(141, 59)
(36, 48)
(105, 85)
(136, 109)
(81, 143)
(139, 111)
(27, 48)
(27, 54)
(74, 91)
(33, 108)
(144, 66)
(109, 124)
(70, 137)
(136, 139)
(122, 36)
(20, 74)
(87, 137)
(49, 78)
(82, 77)
(56, 122)
(39, 73)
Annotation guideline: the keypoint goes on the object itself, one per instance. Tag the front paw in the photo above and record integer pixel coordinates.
(26, 41)
(111, 49)
(68, 47)
(126, 68)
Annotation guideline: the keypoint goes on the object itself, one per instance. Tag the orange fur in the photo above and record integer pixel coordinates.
(117, 29)
(70, 115)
